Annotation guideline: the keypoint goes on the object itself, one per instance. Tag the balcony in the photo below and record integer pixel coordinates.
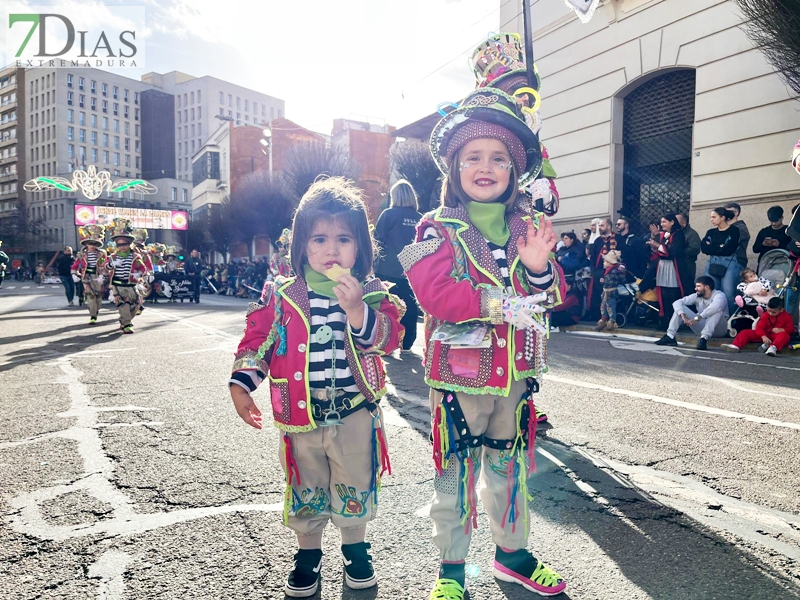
(8, 105)
(8, 160)
(9, 194)
(10, 141)
(5, 124)
(5, 178)
(7, 86)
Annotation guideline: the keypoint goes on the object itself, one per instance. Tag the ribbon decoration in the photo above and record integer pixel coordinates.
(583, 8)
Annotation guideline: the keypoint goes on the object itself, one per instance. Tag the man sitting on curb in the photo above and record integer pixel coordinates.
(773, 330)
(710, 318)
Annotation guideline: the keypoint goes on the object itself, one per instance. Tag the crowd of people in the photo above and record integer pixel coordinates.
(663, 264)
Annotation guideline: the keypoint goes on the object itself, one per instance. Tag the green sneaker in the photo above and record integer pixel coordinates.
(541, 417)
(92, 320)
(522, 568)
(447, 589)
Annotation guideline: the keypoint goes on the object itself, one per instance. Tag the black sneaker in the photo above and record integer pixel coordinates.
(304, 578)
(666, 341)
(702, 344)
(358, 571)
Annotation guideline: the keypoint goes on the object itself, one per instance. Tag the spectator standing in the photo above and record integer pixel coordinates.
(692, 245)
(708, 319)
(613, 277)
(774, 330)
(774, 235)
(595, 230)
(572, 254)
(720, 244)
(586, 234)
(601, 246)
(633, 248)
(672, 281)
(64, 267)
(744, 233)
(394, 230)
(193, 266)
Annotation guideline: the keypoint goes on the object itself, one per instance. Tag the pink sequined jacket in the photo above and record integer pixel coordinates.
(456, 279)
(81, 264)
(285, 362)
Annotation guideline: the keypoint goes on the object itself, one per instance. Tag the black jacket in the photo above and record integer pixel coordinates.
(634, 254)
(776, 234)
(64, 265)
(394, 231)
(192, 265)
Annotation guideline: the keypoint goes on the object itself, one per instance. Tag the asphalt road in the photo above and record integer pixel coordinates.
(125, 473)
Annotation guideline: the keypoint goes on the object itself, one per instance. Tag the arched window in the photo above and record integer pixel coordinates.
(657, 135)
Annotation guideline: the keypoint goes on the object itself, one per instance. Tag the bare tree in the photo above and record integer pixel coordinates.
(305, 162)
(412, 161)
(260, 206)
(221, 227)
(20, 226)
(774, 28)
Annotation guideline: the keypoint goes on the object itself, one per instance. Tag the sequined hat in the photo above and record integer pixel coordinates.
(140, 236)
(499, 62)
(93, 234)
(121, 228)
(170, 251)
(489, 113)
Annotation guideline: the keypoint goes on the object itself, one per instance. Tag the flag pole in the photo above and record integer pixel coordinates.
(526, 17)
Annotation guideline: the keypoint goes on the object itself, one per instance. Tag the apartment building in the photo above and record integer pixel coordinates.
(198, 103)
(12, 154)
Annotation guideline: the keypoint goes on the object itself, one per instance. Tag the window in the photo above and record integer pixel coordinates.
(70, 133)
(83, 155)
(81, 118)
(116, 159)
(185, 99)
(280, 113)
(126, 112)
(94, 155)
(136, 130)
(105, 156)
(199, 112)
(179, 116)
(246, 105)
(185, 195)
(238, 116)
(136, 114)
(221, 95)
(127, 128)
(192, 129)
(116, 125)
(70, 115)
(116, 108)
(105, 140)
(136, 97)
(116, 142)
(105, 105)
(263, 111)
(69, 98)
(93, 87)
(137, 162)
(70, 151)
(127, 144)
(221, 112)
(82, 135)
(174, 196)
(94, 138)
(81, 83)
(125, 95)
(69, 80)
(238, 103)
(192, 146)
(105, 123)
(255, 108)
(198, 96)
(93, 103)
(127, 160)
(230, 100)
(136, 144)
(186, 114)
(115, 92)
(104, 89)
(82, 101)
(192, 96)
(192, 114)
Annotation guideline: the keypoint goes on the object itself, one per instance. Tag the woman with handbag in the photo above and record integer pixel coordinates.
(672, 274)
(720, 243)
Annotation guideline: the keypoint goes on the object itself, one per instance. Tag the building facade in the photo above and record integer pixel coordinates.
(657, 106)
(13, 224)
(198, 103)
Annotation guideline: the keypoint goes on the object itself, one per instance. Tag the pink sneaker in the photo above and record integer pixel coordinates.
(739, 301)
(522, 568)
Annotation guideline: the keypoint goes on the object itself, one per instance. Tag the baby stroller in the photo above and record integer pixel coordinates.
(635, 306)
(776, 266)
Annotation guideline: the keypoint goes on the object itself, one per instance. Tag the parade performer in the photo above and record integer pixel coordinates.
(3, 263)
(319, 337)
(482, 271)
(171, 262)
(156, 252)
(125, 268)
(146, 282)
(279, 264)
(90, 267)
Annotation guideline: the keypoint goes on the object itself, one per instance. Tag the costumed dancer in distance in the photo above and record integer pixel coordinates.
(125, 268)
(90, 267)
(319, 337)
(146, 283)
(484, 261)
(279, 265)
(3, 263)
(499, 62)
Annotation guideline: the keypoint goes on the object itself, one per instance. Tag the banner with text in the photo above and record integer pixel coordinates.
(87, 214)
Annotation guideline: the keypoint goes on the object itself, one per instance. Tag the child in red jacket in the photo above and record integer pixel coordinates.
(773, 330)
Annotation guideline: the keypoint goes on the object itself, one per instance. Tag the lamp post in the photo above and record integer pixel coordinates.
(266, 143)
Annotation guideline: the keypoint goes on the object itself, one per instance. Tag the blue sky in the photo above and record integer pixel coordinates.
(391, 60)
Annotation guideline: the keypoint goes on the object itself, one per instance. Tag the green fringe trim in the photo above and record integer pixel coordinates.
(493, 391)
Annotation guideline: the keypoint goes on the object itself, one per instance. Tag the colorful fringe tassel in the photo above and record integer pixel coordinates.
(442, 437)
(469, 506)
(380, 458)
(292, 473)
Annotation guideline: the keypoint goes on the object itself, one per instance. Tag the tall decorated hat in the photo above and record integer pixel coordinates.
(92, 234)
(140, 236)
(121, 228)
(488, 113)
(170, 251)
(499, 62)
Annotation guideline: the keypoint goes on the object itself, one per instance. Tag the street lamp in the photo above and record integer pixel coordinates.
(266, 143)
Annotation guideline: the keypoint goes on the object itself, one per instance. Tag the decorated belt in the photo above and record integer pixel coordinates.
(331, 412)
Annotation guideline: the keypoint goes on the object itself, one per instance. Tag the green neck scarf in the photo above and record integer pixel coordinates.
(490, 219)
(323, 286)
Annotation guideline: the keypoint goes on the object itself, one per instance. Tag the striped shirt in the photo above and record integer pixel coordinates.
(325, 311)
(122, 269)
(91, 262)
(541, 281)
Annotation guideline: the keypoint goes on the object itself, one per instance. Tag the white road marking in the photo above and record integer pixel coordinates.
(26, 287)
(645, 347)
(679, 403)
(110, 568)
(736, 386)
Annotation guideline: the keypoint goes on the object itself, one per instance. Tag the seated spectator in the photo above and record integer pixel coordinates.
(754, 290)
(773, 330)
(572, 255)
(569, 311)
(772, 236)
(709, 319)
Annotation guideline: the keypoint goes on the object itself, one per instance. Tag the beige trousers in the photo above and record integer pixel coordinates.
(335, 466)
(92, 295)
(127, 302)
(494, 417)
